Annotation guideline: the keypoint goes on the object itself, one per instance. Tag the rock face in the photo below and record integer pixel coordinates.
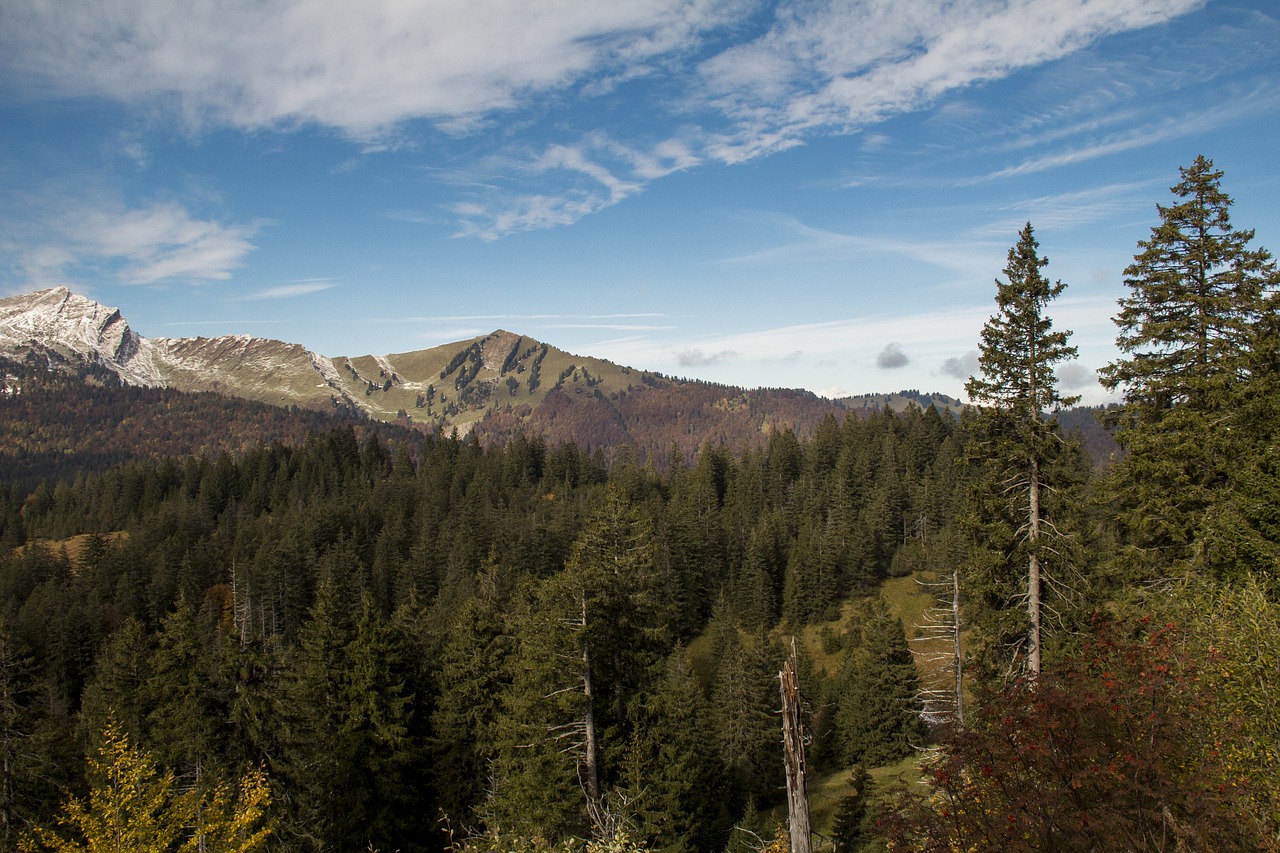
(75, 327)
(499, 385)
(78, 329)
(451, 386)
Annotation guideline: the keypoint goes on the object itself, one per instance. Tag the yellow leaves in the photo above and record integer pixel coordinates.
(133, 807)
(234, 824)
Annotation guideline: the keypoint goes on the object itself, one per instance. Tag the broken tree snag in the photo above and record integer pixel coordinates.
(793, 752)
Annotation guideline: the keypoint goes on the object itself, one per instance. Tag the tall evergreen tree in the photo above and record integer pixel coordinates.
(1017, 355)
(744, 704)
(587, 642)
(878, 718)
(672, 765)
(1198, 308)
(34, 737)
(184, 699)
(474, 671)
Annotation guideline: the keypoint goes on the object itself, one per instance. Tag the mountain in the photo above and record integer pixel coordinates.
(73, 331)
(495, 385)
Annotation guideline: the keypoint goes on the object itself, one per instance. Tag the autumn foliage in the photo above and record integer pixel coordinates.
(1103, 752)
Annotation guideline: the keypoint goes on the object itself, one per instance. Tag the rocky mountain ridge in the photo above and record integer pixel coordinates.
(495, 386)
(447, 387)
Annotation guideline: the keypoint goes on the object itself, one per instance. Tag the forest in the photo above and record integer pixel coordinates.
(340, 638)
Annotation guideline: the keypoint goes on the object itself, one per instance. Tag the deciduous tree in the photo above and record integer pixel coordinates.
(135, 807)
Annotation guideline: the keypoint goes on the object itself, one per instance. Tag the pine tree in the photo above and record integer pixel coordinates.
(587, 639)
(672, 765)
(1198, 308)
(1017, 355)
(878, 718)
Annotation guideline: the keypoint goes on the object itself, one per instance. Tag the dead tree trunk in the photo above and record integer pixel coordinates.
(591, 761)
(957, 659)
(793, 752)
(1033, 572)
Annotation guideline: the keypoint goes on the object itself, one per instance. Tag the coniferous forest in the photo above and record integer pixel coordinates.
(351, 639)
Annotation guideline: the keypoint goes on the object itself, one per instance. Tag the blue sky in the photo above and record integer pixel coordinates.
(803, 194)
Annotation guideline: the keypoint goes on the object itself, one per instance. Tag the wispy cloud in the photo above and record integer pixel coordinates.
(562, 319)
(142, 245)
(799, 240)
(358, 67)
(931, 337)
(369, 70)
(1064, 211)
(165, 241)
(1166, 129)
(618, 327)
(593, 174)
(836, 69)
(291, 290)
(697, 358)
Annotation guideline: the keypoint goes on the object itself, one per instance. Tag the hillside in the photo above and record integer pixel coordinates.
(56, 425)
(496, 385)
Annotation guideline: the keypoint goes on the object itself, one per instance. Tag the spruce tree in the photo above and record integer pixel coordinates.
(849, 833)
(878, 717)
(744, 704)
(587, 640)
(184, 700)
(1199, 307)
(1017, 354)
(473, 672)
(672, 765)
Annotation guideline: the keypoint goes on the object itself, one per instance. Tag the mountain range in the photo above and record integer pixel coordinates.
(494, 385)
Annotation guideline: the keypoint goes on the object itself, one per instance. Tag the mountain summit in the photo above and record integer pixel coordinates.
(495, 386)
(74, 327)
(450, 386)
(73, 330)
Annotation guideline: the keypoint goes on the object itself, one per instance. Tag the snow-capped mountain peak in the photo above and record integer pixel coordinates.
(65, 322)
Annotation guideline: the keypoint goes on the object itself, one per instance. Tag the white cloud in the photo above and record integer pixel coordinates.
(367, 69)
(160, 242)
(359, 67)
(291, 290)
(835, 68)
(57, 237)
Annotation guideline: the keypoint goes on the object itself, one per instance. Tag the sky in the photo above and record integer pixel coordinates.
(798, 194)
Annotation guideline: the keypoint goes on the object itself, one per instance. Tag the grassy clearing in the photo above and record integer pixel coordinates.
(73, 547)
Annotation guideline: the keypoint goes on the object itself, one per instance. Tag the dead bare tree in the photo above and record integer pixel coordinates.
(942, 623)
(793, 753)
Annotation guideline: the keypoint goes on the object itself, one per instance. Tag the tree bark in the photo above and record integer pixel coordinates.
(793, 752)
(1033, 574)
(956, 650)
(591, 762)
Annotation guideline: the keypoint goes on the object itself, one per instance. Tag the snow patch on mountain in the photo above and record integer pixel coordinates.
(74, 325)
